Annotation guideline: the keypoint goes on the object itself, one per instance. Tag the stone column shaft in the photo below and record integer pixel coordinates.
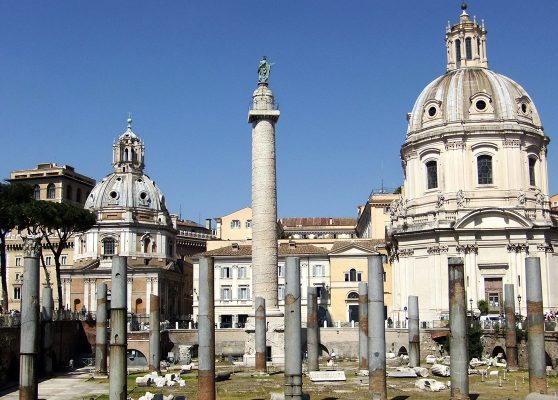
(535, 323)
(312, 329)
(260, 335)
(118, 386)
(376, 330)
(459, 360)
(29, 342)
(206, 330)
(101, 327)
(363, 325)
(293, 342)
(414, 334)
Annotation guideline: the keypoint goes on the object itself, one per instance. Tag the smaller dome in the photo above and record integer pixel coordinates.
(126, 191)
(470, 95)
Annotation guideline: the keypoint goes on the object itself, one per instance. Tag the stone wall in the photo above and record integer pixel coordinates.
(70, 341)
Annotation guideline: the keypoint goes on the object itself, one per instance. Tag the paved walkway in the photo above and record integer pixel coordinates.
(72, 386)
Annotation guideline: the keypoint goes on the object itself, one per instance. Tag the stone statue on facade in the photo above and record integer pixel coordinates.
(460, 198)
(263, 70)
(539, 197)
(441, 200)
(521, 198)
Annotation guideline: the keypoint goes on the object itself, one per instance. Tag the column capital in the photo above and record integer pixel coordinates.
(32, 246)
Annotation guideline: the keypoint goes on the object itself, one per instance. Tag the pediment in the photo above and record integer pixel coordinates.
(492, 219)
(353, 250)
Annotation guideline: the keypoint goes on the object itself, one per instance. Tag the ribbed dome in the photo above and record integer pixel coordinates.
(126, 191)
(470, 95)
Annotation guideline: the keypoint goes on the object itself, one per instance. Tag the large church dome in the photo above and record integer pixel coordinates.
(472, 94)
(126, 190)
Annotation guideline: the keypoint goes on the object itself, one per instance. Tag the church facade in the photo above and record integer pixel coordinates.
(476, 186)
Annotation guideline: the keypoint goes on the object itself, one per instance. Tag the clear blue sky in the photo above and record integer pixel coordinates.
(346, 74)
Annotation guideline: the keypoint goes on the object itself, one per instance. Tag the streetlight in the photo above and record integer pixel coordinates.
(405, 309)
(519, 300)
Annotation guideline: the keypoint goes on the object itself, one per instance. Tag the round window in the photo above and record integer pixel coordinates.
(113, 195)
(143, 195)
(432, 111)
(118, 179)
(481, 105)
(524, 108)
(139, 180)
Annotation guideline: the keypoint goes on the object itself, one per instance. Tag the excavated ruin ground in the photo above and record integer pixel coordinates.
(245, 385)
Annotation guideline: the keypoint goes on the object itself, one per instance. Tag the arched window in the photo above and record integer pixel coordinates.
(125, 154)
(458, 50)
(78, 195)
(37, 192)
(109, 246)
(532, 176)
(484, 170)
(432, 174)
(468, 49)
(69, 192)
(51, 191)
(352, 296)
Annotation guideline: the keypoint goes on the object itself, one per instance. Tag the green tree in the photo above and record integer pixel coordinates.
(58, 222)
(12, 197)
(483, 307)
(475, 342)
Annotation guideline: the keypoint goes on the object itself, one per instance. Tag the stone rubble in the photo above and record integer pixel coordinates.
(430, 384)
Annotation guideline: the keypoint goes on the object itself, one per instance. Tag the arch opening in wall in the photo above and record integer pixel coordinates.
(499, 350)
(77, 302)
(136, 358)
(402, 351)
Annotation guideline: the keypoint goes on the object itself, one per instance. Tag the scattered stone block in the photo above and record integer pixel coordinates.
(440, 370)
(493, 373)
(421, 371)
(327, 376)
(390, 355)
(402, 374)
(430, 359)
(185, 368)
(143, 381)
(430, 384)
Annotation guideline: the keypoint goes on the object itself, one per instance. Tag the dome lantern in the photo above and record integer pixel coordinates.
(466, 43)
(128, 153)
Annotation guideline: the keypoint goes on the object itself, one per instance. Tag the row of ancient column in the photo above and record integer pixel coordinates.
(30, 325)
(372, 346)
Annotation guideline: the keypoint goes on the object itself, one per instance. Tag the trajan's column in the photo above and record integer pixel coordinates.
(263, 115)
